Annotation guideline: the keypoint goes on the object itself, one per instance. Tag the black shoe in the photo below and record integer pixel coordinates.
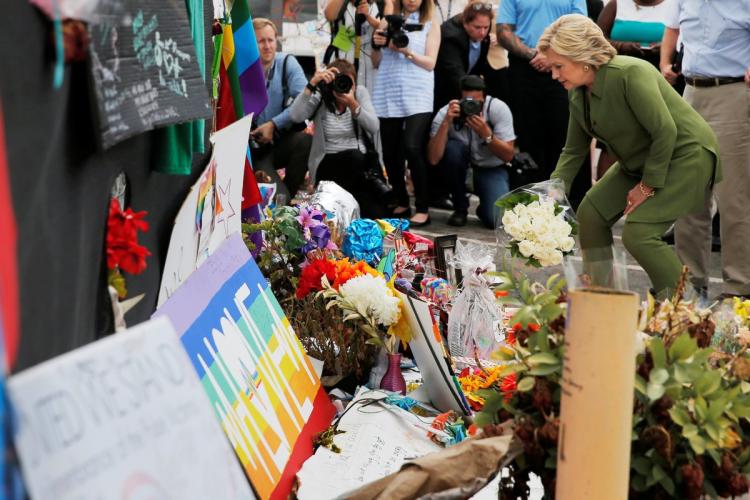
(457, 219)
(419, 224)
(442, 203)
(402, 215)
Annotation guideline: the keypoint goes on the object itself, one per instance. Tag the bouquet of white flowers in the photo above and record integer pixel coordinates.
(539, 229)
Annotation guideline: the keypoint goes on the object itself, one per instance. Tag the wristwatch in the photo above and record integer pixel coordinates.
(312, 88)
(487, 139)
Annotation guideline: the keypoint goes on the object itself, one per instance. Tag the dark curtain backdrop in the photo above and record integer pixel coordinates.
(61, 184)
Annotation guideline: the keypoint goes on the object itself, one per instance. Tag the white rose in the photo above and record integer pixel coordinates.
(526, 248)
(567, 244)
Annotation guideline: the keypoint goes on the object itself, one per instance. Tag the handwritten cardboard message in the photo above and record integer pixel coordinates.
(144, 69)
(122, 418)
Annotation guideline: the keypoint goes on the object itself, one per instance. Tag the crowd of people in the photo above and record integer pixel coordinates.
(496, 95)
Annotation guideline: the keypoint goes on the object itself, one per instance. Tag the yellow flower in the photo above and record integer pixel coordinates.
(400, 329)
(731, 439)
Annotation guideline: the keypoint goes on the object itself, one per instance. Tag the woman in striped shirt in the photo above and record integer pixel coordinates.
(403, 94)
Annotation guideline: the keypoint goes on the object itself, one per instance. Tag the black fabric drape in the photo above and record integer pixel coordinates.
(61, 185)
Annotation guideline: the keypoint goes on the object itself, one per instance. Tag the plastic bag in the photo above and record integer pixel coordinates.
(475, 322)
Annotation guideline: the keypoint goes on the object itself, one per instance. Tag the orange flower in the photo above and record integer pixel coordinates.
(508, 386)
(510, 337)
(345, 271)
(501, 293)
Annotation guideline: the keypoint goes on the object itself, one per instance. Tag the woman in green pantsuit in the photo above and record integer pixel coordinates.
(667, 154)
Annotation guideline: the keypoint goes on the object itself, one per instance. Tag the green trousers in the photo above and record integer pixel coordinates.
(641, 239)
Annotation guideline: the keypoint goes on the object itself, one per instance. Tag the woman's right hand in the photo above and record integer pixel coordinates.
(378, 38)
(323, 75)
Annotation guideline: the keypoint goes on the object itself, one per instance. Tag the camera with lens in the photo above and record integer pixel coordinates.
(469, 107)
(341, 84)
(395, 32)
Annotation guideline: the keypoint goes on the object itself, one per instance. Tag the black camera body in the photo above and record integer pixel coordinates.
(341, 84)
(394, 32)
(469, 107)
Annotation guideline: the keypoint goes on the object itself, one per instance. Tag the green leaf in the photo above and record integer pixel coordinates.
(689, 431)
(713, 431)
(683, 347)
(709, 382)
(639, 483)
(544, 370)
(640, 384)
(658, 376)
(658, 473)
(680, 416)
(701, 408)
(526, 384)
(658, 354)
(654, 391)
(698, 444)
(550, 312)
(642, 465)
(543, 358)
(668, 485)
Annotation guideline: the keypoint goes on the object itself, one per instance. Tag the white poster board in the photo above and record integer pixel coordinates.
(212, 211)
(124, 418)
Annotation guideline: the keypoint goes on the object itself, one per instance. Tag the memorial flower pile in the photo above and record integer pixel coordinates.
(691, 413)
(537, 228)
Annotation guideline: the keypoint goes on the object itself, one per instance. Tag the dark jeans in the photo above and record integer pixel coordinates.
(404, 139)
(540, 114)
(347, 169)
(490, 183)
(289, 151)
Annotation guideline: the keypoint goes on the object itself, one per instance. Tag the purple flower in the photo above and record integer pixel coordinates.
(314, 230)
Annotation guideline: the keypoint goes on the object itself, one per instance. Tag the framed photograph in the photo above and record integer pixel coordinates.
(445, 248)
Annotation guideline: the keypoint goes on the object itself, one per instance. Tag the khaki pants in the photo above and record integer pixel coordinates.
(726, 108)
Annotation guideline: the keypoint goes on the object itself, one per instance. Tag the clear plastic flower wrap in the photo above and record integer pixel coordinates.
(338, 201)
(474, 322)
(536, 226)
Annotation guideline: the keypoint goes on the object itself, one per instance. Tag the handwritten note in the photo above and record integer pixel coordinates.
(376, 443)
(124, 417)
(145, 70)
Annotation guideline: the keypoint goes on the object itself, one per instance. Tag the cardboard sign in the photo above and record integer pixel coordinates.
(212, 210)
(122, 418)
(144, 70)
(261, 384)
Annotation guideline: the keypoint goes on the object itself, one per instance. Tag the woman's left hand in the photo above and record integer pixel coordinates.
(637, 196)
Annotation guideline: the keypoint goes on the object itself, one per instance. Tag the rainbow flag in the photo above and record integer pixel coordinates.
(243, 86)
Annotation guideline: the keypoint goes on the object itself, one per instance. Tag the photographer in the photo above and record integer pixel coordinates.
(475, 132)
(351, 19)
(403, 97)
(346, 146)
(276, 143)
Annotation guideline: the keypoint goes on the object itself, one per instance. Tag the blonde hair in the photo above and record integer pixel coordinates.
(261, 22)
(578, 38)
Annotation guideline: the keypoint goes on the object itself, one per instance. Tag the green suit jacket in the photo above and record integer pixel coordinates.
(656, 136)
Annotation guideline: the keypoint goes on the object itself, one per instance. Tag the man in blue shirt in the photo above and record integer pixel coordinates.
(539, 104)
(716, 66)
(276, 142)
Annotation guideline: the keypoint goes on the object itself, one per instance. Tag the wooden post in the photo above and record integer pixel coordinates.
(593, 455)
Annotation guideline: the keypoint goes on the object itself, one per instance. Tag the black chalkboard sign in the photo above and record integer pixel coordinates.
(144, 69)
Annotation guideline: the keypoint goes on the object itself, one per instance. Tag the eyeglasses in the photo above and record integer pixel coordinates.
(482, 6)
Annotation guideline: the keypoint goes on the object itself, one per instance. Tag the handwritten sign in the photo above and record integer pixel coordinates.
(144, 69)
(122, 418)
(211, 211)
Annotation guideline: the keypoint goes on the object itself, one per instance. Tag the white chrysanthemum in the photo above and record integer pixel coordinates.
(526, 248)
(371, 295)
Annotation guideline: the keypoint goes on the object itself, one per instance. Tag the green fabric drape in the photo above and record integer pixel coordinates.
(176, 144)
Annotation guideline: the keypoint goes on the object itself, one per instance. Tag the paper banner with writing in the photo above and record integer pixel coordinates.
(123, 418)
(211, 212)
(144, 69)
(261, 384)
